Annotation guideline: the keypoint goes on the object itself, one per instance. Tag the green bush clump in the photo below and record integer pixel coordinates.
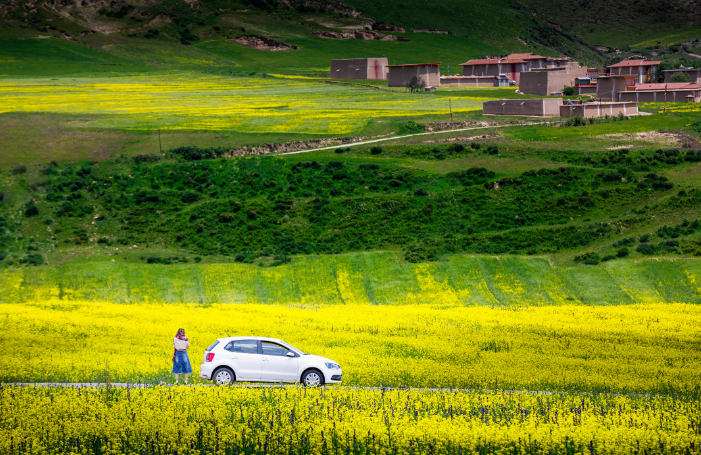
(31, 209)
(194, 153)
(623, 252)
(588, 258)
(146, 158)
(411, 127)
(471, 176)
(189, 197)
(376, 150)
(32, 259)
(422, 251)
(684, 228)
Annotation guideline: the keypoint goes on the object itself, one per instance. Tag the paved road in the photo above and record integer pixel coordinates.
(410, 135)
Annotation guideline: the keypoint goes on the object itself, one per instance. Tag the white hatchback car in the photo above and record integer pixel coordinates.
(257, 359)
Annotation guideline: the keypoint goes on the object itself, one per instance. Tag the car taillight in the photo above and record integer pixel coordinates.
(210, 356)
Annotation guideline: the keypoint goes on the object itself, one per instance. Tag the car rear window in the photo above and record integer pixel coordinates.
(212, 346)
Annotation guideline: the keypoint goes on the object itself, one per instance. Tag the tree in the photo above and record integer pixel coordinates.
(680, 76)
(415, 84)
(568, 91)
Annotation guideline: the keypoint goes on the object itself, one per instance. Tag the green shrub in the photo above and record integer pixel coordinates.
(22, 169)
(411, 127)
(588, 258)
(31, 210)
(568, 91)
(146, 158)
(189, 197)
(680, 76)
(376, 150)
(623, 252)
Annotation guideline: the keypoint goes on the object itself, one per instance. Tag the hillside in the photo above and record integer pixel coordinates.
(101, 36)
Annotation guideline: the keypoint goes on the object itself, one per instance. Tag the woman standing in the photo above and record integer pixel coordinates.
(181, 362)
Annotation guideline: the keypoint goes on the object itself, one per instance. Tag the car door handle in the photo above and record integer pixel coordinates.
(265, 359)
(234, 357)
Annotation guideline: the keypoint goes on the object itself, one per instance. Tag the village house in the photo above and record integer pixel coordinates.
(551, 80)
(359, 68)
(640, 67)
(428, 72)
(513, 65)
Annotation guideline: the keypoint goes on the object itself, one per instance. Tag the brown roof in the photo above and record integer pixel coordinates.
(527, 56)
(416, 64)
(670, 86)
(491, 61)
(639, 62)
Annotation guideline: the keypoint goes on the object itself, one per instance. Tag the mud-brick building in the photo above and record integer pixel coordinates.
(642, 68)
(674, 92)
(547, 107)
(400, 74)
(468, 81)
(359, 68)
(512, 65)
(552, 80)
(694, 74)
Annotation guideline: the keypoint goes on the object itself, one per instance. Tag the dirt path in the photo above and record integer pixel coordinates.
(410, 135)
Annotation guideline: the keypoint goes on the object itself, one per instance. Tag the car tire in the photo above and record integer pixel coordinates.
(312, 378)
(223, 376)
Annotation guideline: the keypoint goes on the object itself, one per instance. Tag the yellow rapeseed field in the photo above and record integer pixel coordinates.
(651, 348)
(201, 102)
(234, 420)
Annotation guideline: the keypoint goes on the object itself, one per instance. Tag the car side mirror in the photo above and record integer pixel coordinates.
(291, 354)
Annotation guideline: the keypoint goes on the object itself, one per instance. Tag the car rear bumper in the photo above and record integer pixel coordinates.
(206, 370)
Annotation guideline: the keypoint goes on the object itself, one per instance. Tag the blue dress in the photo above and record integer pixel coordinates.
(181, 365)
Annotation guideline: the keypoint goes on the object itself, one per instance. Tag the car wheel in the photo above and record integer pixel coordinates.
(313, 378)
(223, 376)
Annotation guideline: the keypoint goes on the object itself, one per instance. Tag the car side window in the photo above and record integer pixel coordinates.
(274, 349)
(243, 346)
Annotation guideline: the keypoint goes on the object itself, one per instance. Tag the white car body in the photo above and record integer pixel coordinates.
(260, 359)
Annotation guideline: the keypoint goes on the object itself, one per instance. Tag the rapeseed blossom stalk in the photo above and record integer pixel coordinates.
(336, 420)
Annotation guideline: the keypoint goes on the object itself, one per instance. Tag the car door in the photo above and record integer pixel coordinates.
(276, 365)
(245, 358)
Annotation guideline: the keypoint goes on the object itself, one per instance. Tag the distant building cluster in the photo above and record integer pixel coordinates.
(625, 83)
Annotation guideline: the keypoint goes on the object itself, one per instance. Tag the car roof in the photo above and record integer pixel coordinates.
(250, 338)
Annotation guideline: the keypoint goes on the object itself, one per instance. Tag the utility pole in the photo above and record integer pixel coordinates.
(665, 99)
(450, 103)
(160, 149)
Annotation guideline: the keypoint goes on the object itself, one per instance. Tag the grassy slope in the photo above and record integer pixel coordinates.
(369, 278)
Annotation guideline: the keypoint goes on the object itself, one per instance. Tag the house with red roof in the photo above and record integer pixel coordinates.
(512, 65)
(635, 66)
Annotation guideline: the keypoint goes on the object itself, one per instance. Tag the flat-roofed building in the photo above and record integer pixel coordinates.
(400, 74)
(550, 81)
(674, 92)
(694, 74)
(468, 81)
(608, 87)
(359, 68)
(547, 107)
(595, 109)
(642, 68)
